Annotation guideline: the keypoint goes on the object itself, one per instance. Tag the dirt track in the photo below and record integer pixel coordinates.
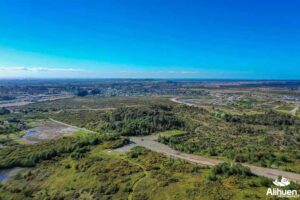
(175, 100)
(294, 111)
(150, 143)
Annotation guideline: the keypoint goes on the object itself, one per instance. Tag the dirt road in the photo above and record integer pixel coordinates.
(184, 103)
(294, 111)
(150, 143)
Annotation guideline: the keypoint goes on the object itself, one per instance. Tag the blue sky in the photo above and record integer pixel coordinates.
(150, 39)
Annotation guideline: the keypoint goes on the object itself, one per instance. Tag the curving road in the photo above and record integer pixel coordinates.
(150, 142)
(175, 100)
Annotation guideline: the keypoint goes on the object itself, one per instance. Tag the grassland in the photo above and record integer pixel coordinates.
(262, 137)
(141, 174)
(81, 166)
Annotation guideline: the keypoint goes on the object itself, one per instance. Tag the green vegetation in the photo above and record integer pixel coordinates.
(229, 169)
(172, 133)
(81, 167)
(245, 103)
(141, 174)
(269, 139)
(268, 118)
(30, 155)
(265, 138)
(11, 126)
(143, 120)
(91, 102)
(126, 121)
(4, 111)
(285, 108)
(91, 120)
(93, 175)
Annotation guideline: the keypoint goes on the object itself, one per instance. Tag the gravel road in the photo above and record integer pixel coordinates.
(150, 142)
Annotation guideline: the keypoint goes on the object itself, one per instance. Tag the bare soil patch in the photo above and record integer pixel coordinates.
(47, 131)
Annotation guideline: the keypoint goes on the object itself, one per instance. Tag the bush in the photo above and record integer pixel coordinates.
(229, 169)
(4, 111)
(136, 152)
(211, 177)
(266, 182)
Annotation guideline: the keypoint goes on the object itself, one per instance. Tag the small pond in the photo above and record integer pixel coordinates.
(31, 133)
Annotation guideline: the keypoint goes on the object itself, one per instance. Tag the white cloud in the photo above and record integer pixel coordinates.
(106, 70)
(160, 72)
(39, 69)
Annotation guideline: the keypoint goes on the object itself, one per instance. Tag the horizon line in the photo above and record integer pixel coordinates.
(153, 78)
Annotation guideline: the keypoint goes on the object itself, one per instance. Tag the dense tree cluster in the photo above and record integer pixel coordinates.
(268, 118)
(4, 111)
(12, 125)
(82, 93)
(143, 120)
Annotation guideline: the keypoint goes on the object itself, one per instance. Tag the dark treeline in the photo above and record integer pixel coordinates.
(12, 125)
(4, 111)
(268, 118)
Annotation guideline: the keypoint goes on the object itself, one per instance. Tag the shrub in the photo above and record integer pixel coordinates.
(263, 181)
(229, 169)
